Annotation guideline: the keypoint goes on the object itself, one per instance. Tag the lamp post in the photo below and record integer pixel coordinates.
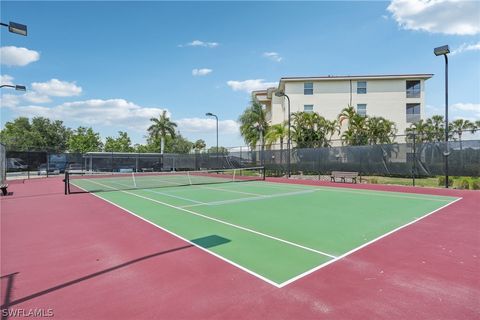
(443, 51)
(282, 94)
(209, 114)
(17, 28)
(16, 87)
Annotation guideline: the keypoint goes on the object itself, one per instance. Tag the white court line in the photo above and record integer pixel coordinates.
(213, 188)
(393, 194)
(162, 193)
(261, 197)
(283, 284)
(221, 221)
(186, 240)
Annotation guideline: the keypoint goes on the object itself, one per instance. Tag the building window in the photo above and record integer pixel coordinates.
(308, 88)
(413, 89)
(362, 110)
(361, 87)
(413, 112)
(308, 108)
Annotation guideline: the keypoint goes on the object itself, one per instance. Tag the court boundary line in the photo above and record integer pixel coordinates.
(222, 221)
(248, 199)
(163, 194)
(393, 194)
(253, 273)
(306, 273)
(291, 280)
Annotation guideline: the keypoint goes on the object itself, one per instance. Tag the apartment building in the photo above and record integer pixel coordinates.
(399, 98)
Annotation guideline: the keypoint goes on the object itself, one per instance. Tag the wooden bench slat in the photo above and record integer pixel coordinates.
(343, 175)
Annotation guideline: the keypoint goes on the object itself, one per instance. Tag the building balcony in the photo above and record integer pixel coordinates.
(412, 118)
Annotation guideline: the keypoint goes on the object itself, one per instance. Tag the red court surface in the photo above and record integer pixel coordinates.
(79, 257)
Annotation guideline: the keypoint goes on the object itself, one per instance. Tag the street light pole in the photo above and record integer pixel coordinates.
(209, 114)
(282, 94)
(444, 50)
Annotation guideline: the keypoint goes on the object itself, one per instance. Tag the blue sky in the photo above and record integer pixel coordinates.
(113, 65)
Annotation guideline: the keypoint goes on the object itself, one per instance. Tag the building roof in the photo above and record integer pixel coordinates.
(381, 76)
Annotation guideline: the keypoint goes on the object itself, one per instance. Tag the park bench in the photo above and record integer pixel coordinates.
(4, 187)
(343, 175)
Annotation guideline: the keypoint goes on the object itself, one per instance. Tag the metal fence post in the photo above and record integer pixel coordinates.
(414, 169)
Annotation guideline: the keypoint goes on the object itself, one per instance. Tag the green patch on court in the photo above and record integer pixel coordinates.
(272, 230)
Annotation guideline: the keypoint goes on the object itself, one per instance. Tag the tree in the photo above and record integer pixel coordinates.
(199, 145)
(221, 150)
(120, 144)
(161, 128)
(435, 129)
(253, 122)
(17, 134)
(357, 132)
(458, 126)
(177, 144)
(39, 134)
(311, 130)
(363, 130)
(380, 130)
(84, 140)
(277, 132)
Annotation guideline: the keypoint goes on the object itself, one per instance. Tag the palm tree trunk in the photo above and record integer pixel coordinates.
(162, 144)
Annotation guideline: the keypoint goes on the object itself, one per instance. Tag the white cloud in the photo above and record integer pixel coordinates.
(35, 97)
(112, 112)
(469, 107)
(199, 43)
(274, 56)
(57, 88)
(470, 111)
(466, 47)
(9, 100)
(452, 17)
(250, 85)
(6, 79)
(15, 56)
(201, 72)
(207, 125)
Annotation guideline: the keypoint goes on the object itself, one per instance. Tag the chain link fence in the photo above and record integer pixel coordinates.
(413, 159)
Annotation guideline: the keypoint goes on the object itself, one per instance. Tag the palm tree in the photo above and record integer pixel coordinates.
(275, 133)
(380, 130)
(161, 128)
(357, 131)
(436, 128)
(253, 122)
(419, 129)
(457, 127)
(460, 125)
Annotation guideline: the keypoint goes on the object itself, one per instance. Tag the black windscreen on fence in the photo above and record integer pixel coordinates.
(403, 159)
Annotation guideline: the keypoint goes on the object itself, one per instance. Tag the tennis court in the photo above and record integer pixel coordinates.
(275, 231)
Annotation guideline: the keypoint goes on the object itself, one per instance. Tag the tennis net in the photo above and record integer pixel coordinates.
(87, 181)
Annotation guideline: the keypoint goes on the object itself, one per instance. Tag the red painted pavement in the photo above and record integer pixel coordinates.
(86, 259)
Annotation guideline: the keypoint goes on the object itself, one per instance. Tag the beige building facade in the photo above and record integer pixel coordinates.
(399, 98)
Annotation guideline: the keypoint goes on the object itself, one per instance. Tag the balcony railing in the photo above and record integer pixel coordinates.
(412, 118)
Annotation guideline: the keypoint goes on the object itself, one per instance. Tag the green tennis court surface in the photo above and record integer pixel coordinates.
(277, 232)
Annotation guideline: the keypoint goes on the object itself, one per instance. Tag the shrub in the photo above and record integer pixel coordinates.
(475, 184)
(373, 180)
(441, 181)
(462, 183)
